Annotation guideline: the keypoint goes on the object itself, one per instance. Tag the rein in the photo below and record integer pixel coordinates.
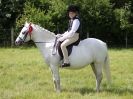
(44, 42)
(48, 42)
(29, 32)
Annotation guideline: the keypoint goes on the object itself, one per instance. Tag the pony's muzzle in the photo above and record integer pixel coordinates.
(18, 42)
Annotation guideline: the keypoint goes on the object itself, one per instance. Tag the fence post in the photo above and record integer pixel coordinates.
(88, 35)
(126, 41)
(12, 36)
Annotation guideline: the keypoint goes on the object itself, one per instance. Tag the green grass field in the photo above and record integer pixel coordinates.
(24, 75)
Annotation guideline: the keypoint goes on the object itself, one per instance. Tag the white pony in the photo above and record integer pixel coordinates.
(89, 51)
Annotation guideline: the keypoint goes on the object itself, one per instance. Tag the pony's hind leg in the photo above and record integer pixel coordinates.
(93, 68)
(97, 69)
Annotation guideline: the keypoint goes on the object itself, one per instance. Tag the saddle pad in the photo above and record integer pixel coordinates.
(69, 48)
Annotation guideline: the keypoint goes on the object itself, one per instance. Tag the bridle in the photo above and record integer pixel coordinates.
(25, 36)
(29, 32)
(26, 33)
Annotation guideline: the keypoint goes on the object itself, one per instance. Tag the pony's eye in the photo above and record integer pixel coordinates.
(24, 32)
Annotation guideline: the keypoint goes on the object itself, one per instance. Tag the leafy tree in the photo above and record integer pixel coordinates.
(9, 10)
(123, 16)
(47, 13)
(109, 20)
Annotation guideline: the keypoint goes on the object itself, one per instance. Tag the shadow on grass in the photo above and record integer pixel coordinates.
(80, 90)
(117, 91)
(85, 90)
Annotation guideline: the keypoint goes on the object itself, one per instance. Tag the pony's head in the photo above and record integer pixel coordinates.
(25, 34)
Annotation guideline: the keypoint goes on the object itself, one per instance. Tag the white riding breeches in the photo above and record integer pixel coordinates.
(66, 43)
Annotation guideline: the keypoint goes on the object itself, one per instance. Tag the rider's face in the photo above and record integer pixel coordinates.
(72, 14)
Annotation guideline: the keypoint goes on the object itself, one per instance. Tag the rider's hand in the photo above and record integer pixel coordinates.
(59, 35)
(61, 39)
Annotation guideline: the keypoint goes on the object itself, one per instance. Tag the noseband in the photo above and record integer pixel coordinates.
(29, 32)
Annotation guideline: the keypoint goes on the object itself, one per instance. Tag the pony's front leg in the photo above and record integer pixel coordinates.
(56, 77)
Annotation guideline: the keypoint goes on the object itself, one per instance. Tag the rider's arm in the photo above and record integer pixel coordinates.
(74, 28)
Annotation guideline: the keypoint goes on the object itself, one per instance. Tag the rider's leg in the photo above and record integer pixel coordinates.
(65, 44)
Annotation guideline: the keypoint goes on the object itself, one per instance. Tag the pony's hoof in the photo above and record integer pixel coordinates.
(58, 91)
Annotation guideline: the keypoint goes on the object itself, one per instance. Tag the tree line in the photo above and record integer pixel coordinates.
(108, 20)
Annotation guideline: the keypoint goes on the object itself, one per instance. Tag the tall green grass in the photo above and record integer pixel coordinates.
(24, 75)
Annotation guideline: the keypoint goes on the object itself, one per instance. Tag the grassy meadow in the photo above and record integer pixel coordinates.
(24, 75)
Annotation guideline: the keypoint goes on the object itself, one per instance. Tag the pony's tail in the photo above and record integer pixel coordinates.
(107, 69)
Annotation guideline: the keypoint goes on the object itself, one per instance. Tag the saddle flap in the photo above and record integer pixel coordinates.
(69, 49)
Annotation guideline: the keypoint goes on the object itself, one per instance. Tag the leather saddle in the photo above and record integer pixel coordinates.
(57, 47)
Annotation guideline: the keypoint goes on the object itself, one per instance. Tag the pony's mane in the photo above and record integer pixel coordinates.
(43, 29)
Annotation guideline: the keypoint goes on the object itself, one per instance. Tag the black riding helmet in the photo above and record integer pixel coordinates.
(73, 8)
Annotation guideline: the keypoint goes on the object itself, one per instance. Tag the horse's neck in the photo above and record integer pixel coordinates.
(44, 40)
(42, 35)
